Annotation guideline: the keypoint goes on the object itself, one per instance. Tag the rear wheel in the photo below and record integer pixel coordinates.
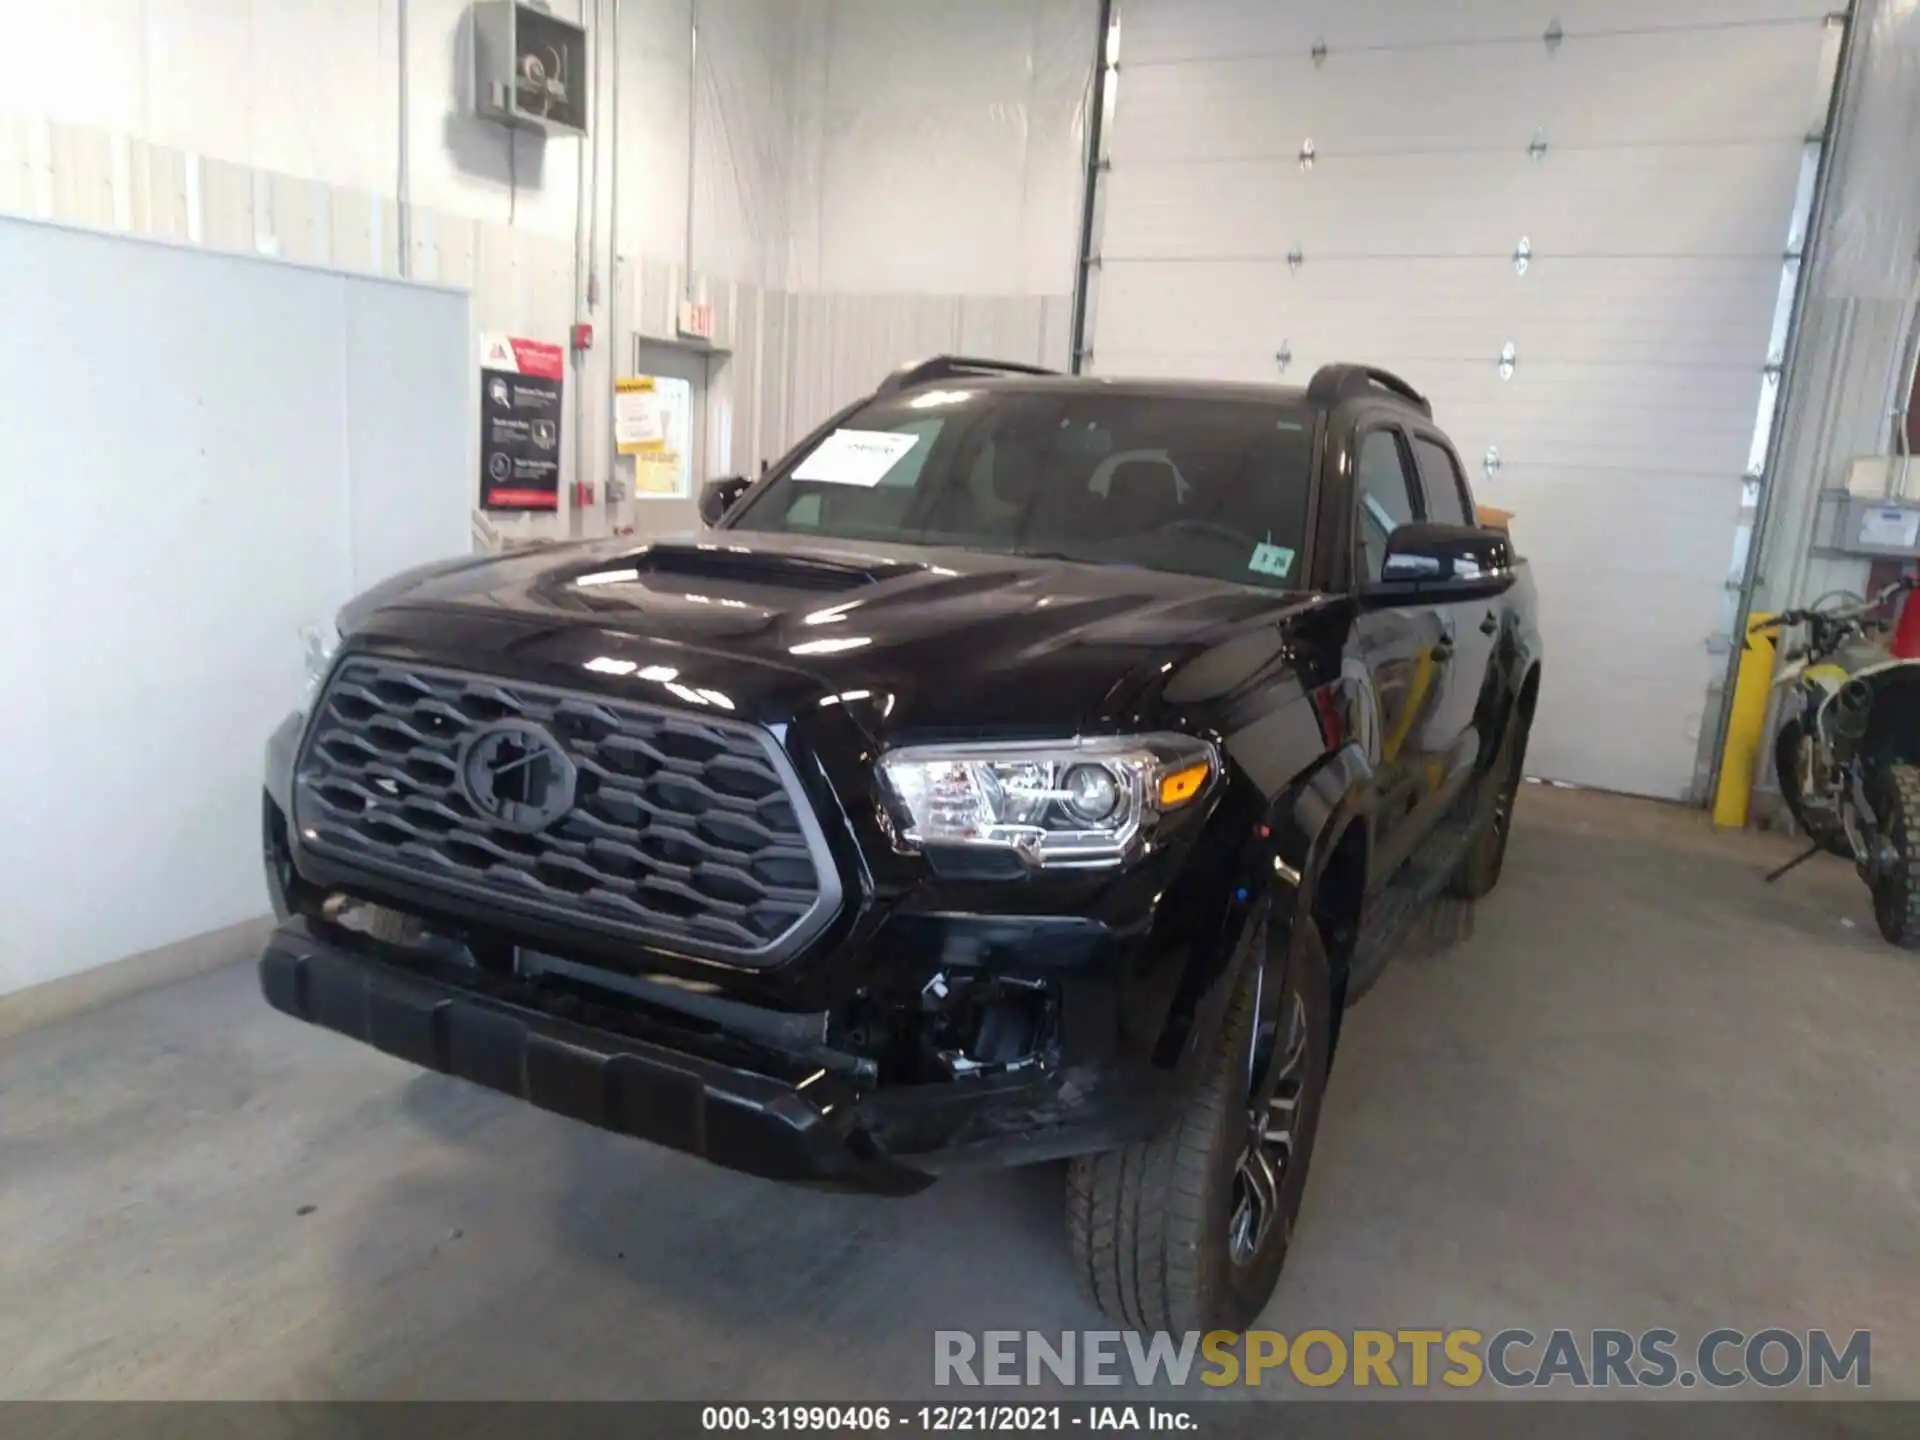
(1479, 869)
(1896, 877)
(1189, 1230)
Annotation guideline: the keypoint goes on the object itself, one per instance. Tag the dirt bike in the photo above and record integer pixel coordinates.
(1847, 752)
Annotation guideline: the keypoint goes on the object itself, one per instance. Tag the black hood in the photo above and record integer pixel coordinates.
(915, 642)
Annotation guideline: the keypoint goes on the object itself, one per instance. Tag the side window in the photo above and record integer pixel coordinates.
(1440, 478)
(1385, 497)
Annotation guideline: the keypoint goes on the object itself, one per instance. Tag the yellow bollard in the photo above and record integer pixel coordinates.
(1745, 721)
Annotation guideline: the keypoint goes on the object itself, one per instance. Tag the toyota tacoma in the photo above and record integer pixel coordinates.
(1026, 767)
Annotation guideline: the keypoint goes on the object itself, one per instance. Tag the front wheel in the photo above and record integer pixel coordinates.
(1896, 873)
(1189, 1230)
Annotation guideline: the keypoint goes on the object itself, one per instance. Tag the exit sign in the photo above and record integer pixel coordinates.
(696, 319)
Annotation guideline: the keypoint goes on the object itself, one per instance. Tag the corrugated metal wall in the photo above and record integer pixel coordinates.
(1858, 315)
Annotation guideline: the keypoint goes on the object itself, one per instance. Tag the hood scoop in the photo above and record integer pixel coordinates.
(762, 567)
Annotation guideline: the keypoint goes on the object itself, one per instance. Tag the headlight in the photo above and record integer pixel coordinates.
(318, 644)
(1078, 802)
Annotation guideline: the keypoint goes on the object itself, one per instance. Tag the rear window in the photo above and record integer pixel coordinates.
(1217, 488)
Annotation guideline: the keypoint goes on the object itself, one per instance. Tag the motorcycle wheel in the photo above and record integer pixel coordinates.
(1896, 883)
(1786, 768)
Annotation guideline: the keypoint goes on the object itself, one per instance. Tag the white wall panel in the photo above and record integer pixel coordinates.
(409, 440)
(157, 191)
(18, 170)
(198, 77)
(274, 126)
(1656, 216)
(836, 146)
(1681, 513)
(304, 58)
(80, 170)
(1663, 418)
(1171, 30)
(1721, 200)
(1680, 87)
(90, 61)
(1564, 308)
(276, 435)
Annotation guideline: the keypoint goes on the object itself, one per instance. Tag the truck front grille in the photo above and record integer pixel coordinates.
(671, 828)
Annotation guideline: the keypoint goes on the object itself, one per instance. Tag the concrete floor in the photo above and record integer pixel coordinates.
(1645, 1090)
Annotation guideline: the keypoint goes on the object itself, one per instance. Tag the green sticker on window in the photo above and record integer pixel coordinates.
(1274, 560)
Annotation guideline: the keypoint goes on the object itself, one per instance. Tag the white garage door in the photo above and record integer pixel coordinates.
(1368, 202)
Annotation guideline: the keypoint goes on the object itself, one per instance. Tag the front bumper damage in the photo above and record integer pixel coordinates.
(745, 1107)
(784, 1114)
(957, 1038)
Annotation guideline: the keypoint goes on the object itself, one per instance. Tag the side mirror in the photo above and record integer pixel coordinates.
(1460, 561)
(717, 497)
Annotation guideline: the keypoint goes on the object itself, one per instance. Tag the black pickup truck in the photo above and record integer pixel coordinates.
(1025, 767)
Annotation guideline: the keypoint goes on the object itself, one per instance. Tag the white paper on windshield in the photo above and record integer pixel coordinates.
(855, 457)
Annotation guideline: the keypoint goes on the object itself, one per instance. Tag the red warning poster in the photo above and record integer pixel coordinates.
(520, 385)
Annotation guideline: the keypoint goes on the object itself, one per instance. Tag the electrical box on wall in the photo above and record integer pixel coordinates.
(1878, 514)
(529, 67)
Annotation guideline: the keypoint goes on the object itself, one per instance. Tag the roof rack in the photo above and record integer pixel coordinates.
(1334, 383)
(953, 367)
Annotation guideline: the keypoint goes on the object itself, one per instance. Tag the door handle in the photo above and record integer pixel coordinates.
(1490, 624)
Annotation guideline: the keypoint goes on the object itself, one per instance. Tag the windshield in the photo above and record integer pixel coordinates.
(1199, 487)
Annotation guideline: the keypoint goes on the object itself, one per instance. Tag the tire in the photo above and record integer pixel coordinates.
(1152, 1225)
(1786, 770)
(1479, 869)
(1896, 888)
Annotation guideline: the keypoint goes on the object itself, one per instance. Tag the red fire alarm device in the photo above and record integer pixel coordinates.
(583, 336)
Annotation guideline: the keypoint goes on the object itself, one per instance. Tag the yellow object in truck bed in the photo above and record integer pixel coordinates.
(1492, 516)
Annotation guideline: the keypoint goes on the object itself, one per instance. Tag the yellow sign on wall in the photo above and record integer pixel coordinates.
(653, 423)
(639, 422)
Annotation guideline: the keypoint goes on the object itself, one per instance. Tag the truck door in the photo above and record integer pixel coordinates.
(1471, 628)
(1397, 646)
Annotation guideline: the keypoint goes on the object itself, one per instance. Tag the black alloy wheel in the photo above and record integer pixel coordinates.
(1276, 1084)
(1189, 1230)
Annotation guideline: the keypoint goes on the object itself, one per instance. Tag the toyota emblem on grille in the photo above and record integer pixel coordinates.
(517, 776)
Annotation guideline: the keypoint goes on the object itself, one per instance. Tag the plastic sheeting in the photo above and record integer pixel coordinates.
(743, 157)
(1859, 312)
(1873, 212)
(869, 147)
(940, 147)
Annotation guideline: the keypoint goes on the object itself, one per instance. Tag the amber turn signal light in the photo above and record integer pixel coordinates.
(1180, 786)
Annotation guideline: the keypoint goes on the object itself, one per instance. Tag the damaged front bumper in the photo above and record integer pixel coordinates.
(785, 1114)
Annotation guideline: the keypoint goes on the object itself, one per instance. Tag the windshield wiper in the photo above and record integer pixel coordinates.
(1054, 555)
(1048, 555)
